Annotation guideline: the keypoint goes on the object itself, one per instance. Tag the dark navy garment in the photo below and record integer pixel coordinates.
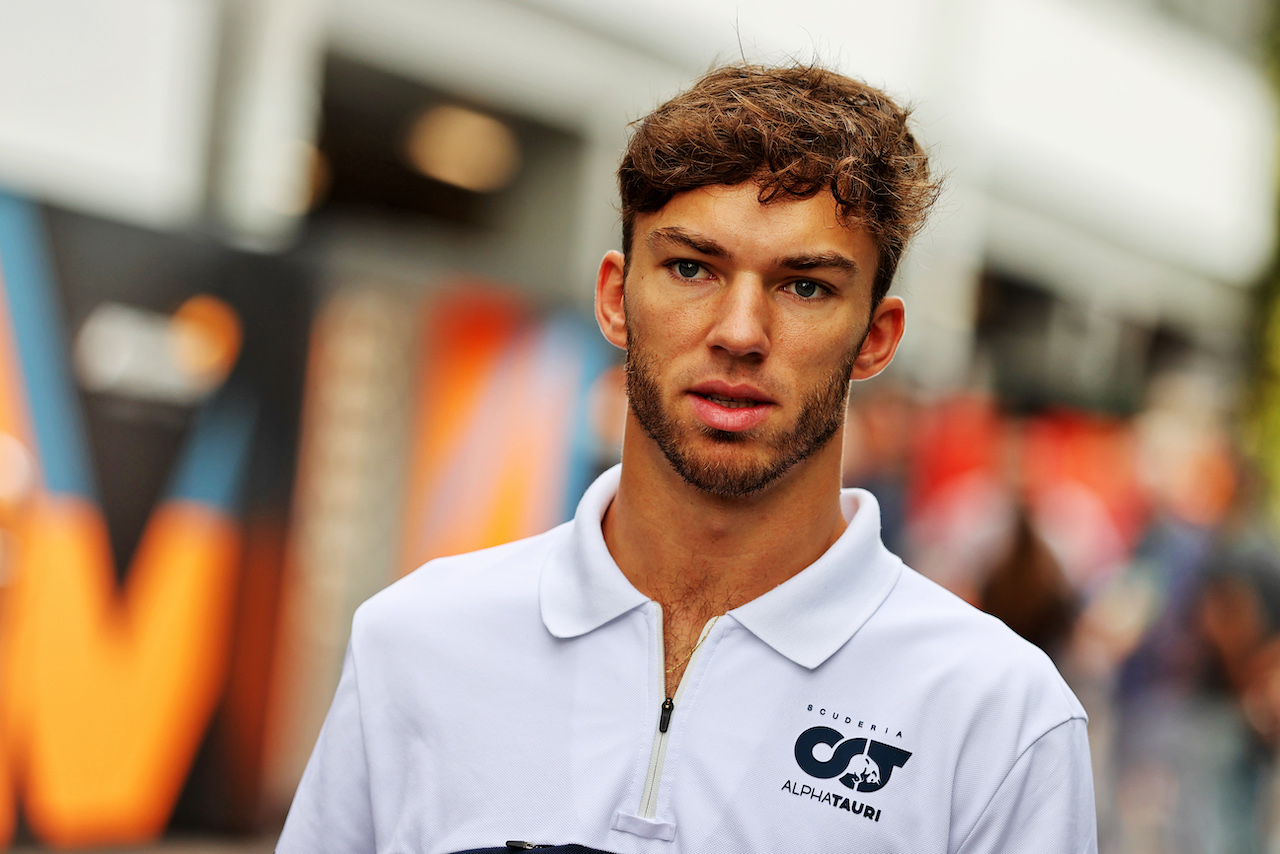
(551, 849)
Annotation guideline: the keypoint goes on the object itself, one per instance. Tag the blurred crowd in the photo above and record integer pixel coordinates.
(1137, 553)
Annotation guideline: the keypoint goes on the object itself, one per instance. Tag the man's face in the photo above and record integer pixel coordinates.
(744, 324)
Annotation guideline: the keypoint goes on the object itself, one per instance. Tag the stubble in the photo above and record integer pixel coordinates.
(728, 475)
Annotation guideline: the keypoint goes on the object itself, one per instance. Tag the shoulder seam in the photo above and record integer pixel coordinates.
(1012, 765)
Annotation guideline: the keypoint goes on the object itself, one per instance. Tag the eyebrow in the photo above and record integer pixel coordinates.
(683, 237)
(819, 261)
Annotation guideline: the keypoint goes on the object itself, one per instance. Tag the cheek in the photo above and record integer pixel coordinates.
(662, 331)
(813, 348)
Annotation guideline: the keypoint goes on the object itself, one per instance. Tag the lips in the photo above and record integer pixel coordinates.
(731, 408)
(732, 402)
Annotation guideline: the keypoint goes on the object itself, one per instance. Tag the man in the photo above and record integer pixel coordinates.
(717, 654)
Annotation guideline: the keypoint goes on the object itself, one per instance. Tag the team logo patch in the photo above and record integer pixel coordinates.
(860, 763)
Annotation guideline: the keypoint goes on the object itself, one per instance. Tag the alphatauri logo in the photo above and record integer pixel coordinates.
(861, 764)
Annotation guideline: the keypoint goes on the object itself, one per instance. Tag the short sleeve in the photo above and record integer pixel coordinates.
(331, 810)
(1046, 802)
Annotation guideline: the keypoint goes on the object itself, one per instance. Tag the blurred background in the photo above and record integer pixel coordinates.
(295, 295)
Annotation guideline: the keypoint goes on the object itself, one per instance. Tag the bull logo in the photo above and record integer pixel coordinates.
(861, 764)
(864, 770)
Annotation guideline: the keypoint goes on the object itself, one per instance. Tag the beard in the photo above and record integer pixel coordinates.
(726, 475)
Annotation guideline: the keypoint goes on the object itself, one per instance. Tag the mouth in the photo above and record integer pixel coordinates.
(731, 395)
(732, 402)
(731, 408)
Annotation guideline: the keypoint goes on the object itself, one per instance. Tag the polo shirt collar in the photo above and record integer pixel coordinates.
(806, 618)
(816, 611)
(581, 587)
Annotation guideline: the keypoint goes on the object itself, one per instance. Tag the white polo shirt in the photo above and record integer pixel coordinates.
(516, 694)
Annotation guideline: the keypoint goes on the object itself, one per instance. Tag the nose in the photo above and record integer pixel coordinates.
(741, 324)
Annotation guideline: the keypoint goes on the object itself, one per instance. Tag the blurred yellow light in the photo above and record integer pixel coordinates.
(462, 147)
(207, 337)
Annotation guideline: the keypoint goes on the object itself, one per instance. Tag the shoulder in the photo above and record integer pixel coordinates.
(459, 590)
(973, 659)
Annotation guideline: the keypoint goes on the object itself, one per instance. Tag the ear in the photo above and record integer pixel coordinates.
(887, 323)
(610, 311)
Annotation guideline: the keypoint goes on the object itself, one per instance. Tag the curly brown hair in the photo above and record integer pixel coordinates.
(795, 131)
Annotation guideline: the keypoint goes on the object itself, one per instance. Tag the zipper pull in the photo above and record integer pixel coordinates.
(668, 706)
(521, 845)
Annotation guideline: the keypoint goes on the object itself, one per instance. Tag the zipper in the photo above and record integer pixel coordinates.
(658, 755)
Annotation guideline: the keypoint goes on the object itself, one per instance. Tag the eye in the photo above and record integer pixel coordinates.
(688, 269)
(807, 289)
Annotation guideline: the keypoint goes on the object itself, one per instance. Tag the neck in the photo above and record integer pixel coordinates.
(698, 554)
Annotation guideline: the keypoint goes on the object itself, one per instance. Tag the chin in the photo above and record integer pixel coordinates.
(728, 472)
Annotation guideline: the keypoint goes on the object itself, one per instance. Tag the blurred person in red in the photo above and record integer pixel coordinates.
(981, 531)
(718, 653)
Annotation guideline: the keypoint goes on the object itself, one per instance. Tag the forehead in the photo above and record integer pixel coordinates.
(743, 227)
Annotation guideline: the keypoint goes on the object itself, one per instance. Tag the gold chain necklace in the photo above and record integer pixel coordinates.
(690, 653)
